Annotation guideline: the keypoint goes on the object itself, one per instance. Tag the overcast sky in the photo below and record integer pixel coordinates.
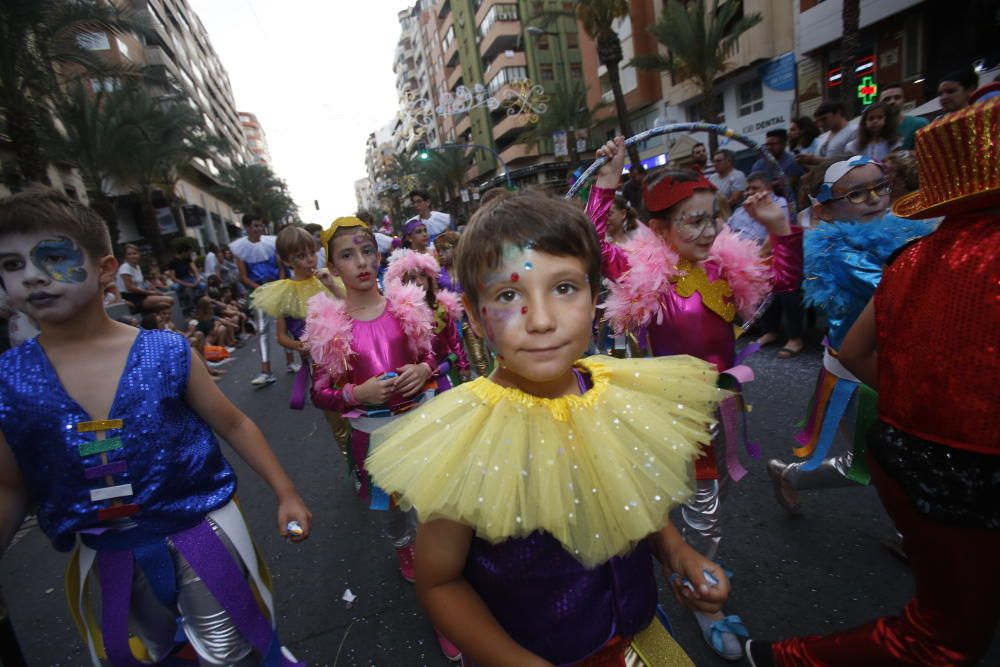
(318, 74)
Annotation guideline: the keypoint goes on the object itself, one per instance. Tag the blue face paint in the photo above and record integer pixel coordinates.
(61, 259)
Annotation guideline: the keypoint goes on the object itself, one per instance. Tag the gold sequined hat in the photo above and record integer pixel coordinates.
(340, 223)
(959, 160)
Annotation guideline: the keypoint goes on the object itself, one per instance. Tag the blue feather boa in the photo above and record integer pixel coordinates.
(844, 261)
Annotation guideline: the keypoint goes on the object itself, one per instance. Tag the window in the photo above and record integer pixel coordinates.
(122, 47)
(751, 97)
(107, 84)
(542, 42)
(505, 76)
(449, 37)
(548, 74)
(93, 41)
(504, 12)
(572, 40)
(576, 70)
(537, 8)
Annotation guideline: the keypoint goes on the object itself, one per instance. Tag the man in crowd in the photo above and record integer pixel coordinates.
(435, 221)
(182, 271)
(632, 190)
(906, 126)
(776, 142)
(954, 90)
(837, 133)
(742, 222)
(699, 158)
(728, 180)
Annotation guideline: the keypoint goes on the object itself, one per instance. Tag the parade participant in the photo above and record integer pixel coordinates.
(877, 133)
(680, 286)
(257, 262)
(109, 430)
(535, 538)
(444, 248)
(844, 258)
(372, 361)
(623, 221)
(415, 236)
(414, 268)
(435, 222)
(927, 341)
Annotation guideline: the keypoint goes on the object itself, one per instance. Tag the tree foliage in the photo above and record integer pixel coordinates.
(254, 187)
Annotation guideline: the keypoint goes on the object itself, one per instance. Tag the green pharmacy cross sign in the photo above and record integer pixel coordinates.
(867, 90)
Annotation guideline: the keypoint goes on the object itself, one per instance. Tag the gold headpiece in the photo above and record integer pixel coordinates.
(340, 223)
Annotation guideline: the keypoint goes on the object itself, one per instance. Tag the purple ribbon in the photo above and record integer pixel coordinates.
(212, 562)
(115, 572)
(300, 387)
(742, 355)
(730, 417)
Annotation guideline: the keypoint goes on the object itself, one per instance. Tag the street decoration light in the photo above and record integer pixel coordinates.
(522, 97)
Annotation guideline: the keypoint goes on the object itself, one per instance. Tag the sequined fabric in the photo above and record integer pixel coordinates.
(172, 459)
(554, 606)
(938, 316)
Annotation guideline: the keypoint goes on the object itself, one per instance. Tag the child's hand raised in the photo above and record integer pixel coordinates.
(294, 518)
(610, 174)
(375, 390)
(765, 210)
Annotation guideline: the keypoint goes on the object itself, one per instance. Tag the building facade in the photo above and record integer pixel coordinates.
(256, 140)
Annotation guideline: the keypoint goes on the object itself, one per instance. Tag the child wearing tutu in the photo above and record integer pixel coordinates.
(286, 301)
(107, 430)
(679, 285)
(544, 490)
(420, 269)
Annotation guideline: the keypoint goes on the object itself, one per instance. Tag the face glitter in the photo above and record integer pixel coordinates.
(61, 259)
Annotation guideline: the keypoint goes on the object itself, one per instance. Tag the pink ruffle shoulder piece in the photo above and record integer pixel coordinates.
(408, 304)
(452, 304)
(741, 265)
(405, 261)
(636, 297)
(328, 335)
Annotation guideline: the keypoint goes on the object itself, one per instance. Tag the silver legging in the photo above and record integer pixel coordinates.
(399, 527)
(831, 473)
(701, 515)
(263, 325)
(206, 624)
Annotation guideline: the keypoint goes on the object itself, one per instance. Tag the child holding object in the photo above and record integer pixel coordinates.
(109, 429)
(544, 490)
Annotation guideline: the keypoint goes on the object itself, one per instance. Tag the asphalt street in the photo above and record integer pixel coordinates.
(823, 572)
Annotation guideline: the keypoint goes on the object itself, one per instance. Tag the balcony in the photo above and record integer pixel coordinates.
(517, 152)
(451, 54)
(517, 59)
(462, 126)
(454, 78)
(504, 34)
(508, 125)
(443, 8)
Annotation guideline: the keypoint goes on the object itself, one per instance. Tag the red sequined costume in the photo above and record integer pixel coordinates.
(935, 455)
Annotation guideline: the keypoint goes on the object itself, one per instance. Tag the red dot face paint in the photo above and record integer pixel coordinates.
(483, 310)
(514, 277)
(524, 310)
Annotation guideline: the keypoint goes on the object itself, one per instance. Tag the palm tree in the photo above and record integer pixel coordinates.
(255, 187)
(39, 43)
(850, 43)
(88, 136)
(444, 171)
(567, 111)
(163, 138)
(698, 46)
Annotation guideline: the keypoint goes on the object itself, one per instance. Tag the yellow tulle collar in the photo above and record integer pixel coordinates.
(598, 472)
(286, 298)
(492, 393)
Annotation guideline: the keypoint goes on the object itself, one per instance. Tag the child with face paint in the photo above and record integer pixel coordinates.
(844, 259)
(444, 246)
(109, 429)
(544, 490)
(679, 286)
(414, 268)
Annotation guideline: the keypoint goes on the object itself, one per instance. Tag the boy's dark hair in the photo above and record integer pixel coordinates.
(419, 192)
(894, 84)
(213, 281)
(964, 77)
(150, 321)
(312, 228)
(760, 176)
(493, 194)
(832, 106)
(728, 154)
(543, 222)
(292, 240)
(248, 218)
(40, 209)
(779, 132)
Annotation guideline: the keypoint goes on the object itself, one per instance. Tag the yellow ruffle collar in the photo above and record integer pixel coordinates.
(599, 472)
(288, 297)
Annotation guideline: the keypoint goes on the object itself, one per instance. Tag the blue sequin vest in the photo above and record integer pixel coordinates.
(158, 466)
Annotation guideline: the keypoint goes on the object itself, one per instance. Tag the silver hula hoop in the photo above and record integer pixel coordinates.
(687, 127)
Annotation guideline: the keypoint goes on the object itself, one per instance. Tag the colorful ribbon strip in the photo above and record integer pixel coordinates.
(99, 446)
(843, 390)
(99, 425)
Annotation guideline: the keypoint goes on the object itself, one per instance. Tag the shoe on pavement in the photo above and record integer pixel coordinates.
(263, 379)
(294, 367)
(217, 364)
(894, 543)
(230, 349)
(450, 651)
(786, 496)
(759, 653)
(722, 634)
(405, 555)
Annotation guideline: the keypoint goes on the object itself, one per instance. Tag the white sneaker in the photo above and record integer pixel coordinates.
(230, 350)
(262, 379)
(217, 364)
(294, 367)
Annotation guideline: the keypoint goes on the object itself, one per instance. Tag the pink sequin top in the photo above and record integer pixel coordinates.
(379, 347)
(688, 327)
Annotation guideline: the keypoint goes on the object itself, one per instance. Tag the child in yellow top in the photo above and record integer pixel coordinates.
(544, 490)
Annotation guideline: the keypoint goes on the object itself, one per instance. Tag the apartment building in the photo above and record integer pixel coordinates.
(256, 140)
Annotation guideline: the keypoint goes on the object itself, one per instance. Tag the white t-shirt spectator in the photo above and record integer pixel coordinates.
(135, 272)
(734, 181)
(744, 224)
(836, 144)
(211, 264)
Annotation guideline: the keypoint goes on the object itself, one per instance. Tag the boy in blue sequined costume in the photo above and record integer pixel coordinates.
(109, 429)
